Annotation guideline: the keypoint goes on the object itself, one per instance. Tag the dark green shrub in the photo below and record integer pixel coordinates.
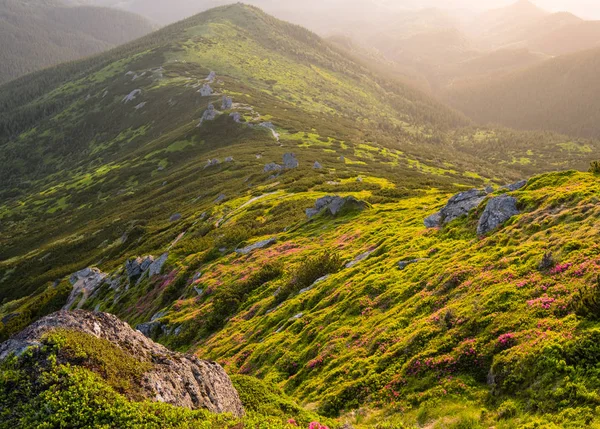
(595, 167)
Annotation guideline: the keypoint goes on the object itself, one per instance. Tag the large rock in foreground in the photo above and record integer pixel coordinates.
(497, 211)
(175, 378)
(459, 205)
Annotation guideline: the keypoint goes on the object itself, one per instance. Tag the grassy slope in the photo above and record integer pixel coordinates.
(89, 192)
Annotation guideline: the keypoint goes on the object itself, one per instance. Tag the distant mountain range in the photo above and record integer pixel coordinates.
(38, 34)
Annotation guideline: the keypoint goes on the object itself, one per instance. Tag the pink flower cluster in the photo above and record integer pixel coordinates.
(316, 425)
(506, 340)
(315, 362)
(560, 268)
(545, 302)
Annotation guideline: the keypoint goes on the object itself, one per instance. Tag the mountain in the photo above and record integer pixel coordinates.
(237, 187)
(35, 35)
(560, 94)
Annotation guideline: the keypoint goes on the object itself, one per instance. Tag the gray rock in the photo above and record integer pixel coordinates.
(229, 159)
(317, 166)
(516, 186)
(497, 211)
(141, 105)
(258, 245)
(211, 77)
(209, 114)
(459, 205)
(316, 282)
(206, 90)
(359, 258)
(85, 283)
(175, 217)
(220, 198)
(272, 167)
(155, 267)
(403, 264)
(131, 96)
(227, 103)
(212, 163)
(489, 189)
(175, 378)
(333, 205)
(135, 267)
(236, 117)
(290, 161)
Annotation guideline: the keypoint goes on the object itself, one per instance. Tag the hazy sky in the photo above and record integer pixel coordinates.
(583, 8)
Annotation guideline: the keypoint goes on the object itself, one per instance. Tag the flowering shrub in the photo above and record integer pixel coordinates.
(560, 268)
(316, 425)
(506, 341)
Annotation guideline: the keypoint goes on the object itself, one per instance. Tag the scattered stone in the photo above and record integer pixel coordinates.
(258, 156)
(220, 198)
(272, 167)
(206, 90)
(258, 245)
(459, 205)
(196, 277)
(175, 378)
(516, 186)
(227, 103)
(497, 211)
(236, 117)
(359, 258)
(317, 166)
(198, 290)
(131, 96)
(403, 264)
(359, 179)
(229, 159)
(175, 217)
(85, 283)
(161, 168)
(211, 77)
(297, 316)
(290, 161)
(212, 163)
(334, 205)
(316, 282)
(209, 114)
(140, 106)
(343, 158)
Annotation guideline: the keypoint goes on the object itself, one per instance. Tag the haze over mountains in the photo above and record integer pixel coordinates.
(236, 214)
(38, 34)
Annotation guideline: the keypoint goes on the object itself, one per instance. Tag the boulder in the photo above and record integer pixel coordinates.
(220, 198)
(290, 161)
(212, 163)
(175, 217)
(178, 379)
(272, 167)
(209, 114)
(85, 283)
(497, 211)
(333, 205)
(236, 117)
(258, 245)
(211, 77)
(227, 103)
(135, 267)
(359, 259)
(317, 166)
(206, 90)
(229, 159)
(516, 186)
(459, 205)
(156, 266)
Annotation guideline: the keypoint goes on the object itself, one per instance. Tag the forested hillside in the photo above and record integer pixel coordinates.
(35, 34)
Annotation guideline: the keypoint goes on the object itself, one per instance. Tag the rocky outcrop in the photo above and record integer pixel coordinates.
(174, 378)
(334, 205)
(135, 267)
(85, 283)
(497, 211)
(258, 245)
(459, 205)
